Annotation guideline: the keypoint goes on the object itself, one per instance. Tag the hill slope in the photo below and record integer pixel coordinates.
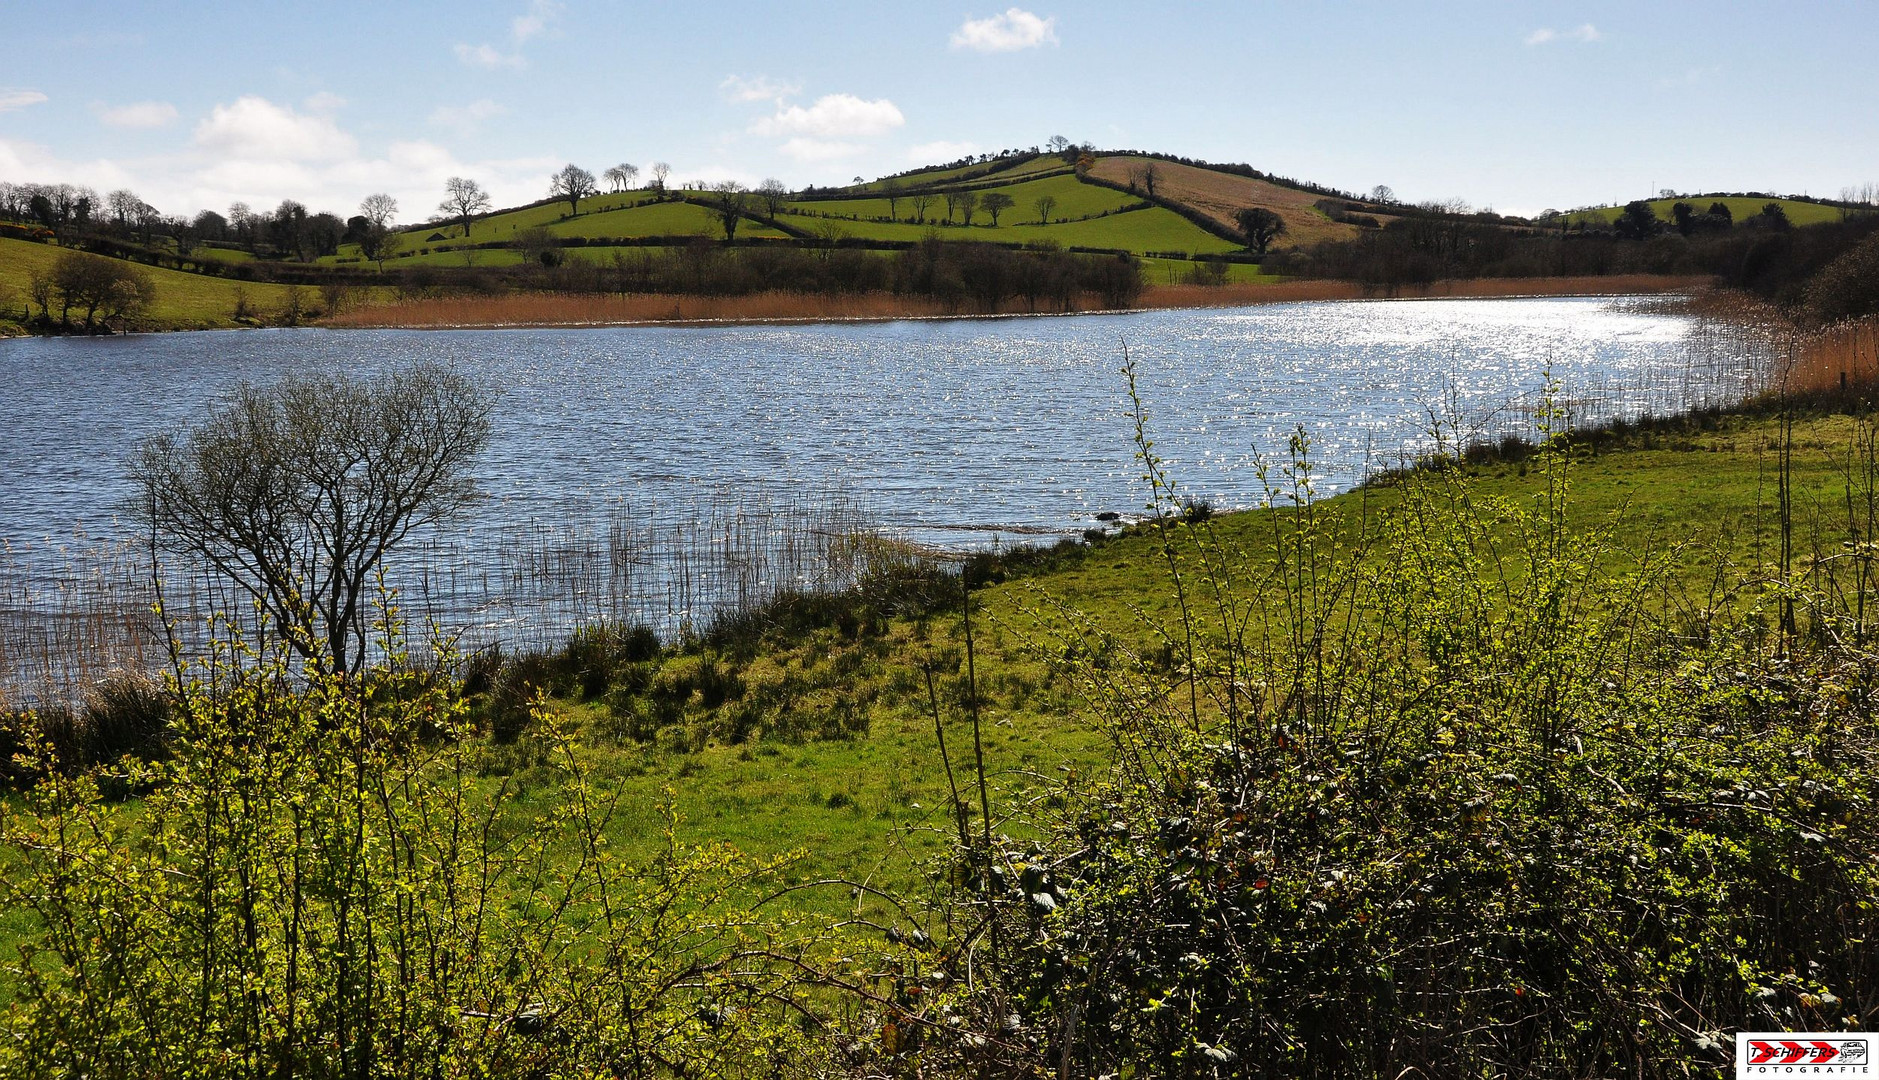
(1219, 195)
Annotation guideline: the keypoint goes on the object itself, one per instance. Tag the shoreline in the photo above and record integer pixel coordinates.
(565, 311)
(558, 311)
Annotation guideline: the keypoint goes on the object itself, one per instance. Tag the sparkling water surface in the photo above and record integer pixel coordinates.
(947, 432)
(936, 425)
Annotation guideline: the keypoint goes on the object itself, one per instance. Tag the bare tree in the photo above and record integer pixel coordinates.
(1044, 204)
(995, 203)
(463, 199)
(1383, 193)
(731, 206)
(375, 238)
(183, 234)
(774, 195)
(621, 177)
(890, 190)
(123, 205)
(378, 209)
(660, 170)
(921, 200)
(297, 491)
(572, 183)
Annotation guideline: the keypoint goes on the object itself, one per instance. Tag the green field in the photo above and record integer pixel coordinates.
(1174, 271)
(1799, 212)
(630, 214)
(1074, 200)
(871, 807)
(183, 302)
(1153, 229)
(926, 177)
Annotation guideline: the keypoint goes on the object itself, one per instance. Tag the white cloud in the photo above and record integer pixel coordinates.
(538, 21)
(34, 162)
(465, 119)
(487, 56)
(12, 98)
(738, 89)
(833, 116)
(935, 152)
(540, 18)
(257, 152)
(1583, 33)
(1015, 29)
(254, 128)
(141, 114)
(813, 150)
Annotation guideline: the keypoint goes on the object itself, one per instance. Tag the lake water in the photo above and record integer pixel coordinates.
(949, 432)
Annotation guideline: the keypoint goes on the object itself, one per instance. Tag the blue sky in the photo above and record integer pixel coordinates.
(1514, 106)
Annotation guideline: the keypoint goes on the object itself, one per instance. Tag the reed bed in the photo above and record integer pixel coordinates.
(1841, 357)
(585, 309)
(567, 309)
(527, 588)
(1239, 294)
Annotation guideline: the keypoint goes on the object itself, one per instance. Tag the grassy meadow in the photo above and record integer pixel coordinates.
(1742, 208)
(870, 801)
(184, 301)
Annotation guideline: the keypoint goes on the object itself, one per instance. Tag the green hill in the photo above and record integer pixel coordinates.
(1743, 207)
(183, 301)
(1083, 212)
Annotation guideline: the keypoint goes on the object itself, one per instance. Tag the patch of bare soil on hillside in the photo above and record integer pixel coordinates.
(1220, 195)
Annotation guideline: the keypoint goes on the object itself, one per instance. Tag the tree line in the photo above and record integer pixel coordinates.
(1762, 254)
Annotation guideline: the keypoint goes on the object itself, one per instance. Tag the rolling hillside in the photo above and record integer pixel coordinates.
(1219, 195)
(1799, 211)
(183, 301)
(1050, 204)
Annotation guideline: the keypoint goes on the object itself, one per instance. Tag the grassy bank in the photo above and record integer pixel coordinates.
(183, 301)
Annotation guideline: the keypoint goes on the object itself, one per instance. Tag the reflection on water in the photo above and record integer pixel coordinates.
(949, 432)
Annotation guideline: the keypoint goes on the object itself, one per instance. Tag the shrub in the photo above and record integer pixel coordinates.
(310, 889)
(1471, 802)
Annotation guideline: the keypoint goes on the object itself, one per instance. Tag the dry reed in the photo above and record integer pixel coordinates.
(1841, 357)
(585, 309)
(64, 630)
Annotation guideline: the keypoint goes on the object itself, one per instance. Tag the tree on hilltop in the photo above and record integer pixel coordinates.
(463, 199)
(621, 177)
(572, 183)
